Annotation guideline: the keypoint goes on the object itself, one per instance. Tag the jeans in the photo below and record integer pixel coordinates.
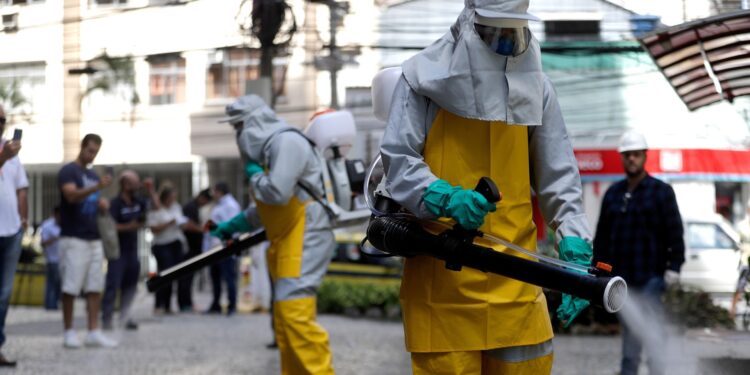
(649, 296)
(10, 251)
(226, 270)
(52, 291)
(122, 275)
(166, 256)
(185, 286)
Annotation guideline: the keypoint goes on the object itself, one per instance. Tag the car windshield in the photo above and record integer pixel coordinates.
(708, 236)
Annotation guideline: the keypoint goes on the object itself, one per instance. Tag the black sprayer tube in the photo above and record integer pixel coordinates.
(404, 238)
(212, 256)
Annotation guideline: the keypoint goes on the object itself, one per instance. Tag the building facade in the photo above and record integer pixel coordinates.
(153, 76)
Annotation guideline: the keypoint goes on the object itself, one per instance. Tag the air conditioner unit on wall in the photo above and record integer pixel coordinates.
(10, 22)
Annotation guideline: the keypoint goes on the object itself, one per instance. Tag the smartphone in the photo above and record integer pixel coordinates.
(110, 170)
(17, 134)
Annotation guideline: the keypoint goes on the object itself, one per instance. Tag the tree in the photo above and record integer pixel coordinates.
(272, 23)
(12, 98)
(109, 74)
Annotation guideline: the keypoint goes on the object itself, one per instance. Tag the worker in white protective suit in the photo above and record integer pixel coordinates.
(286, 183)
(476, 103)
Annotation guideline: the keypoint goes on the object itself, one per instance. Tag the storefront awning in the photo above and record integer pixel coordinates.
(705, 61)
(670, 164)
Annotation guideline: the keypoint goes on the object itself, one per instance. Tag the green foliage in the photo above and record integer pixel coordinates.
(338, 297)
(11, 96)
(691, 308)
(113, 72)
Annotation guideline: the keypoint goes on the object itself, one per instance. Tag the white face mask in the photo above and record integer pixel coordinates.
(506, 41)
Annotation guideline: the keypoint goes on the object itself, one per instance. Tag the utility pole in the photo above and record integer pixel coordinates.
(334, 53)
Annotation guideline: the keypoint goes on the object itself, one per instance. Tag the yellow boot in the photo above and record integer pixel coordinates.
(303, 343)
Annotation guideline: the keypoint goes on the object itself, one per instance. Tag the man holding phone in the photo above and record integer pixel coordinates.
(13, 220)
(82, 255)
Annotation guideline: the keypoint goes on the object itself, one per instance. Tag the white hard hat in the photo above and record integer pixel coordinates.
(632, 141)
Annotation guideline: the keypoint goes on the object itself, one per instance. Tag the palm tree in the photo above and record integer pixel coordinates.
(11, 99)
(111, 73)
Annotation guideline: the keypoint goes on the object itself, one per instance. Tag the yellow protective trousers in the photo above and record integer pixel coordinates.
(476, 363)
(303, 343)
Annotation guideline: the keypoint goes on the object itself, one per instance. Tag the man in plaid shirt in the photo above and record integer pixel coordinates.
(640, 234)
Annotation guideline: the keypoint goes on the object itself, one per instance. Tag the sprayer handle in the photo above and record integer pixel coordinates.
(488, 189)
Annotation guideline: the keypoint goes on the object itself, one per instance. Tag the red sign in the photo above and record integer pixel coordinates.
(668, 161)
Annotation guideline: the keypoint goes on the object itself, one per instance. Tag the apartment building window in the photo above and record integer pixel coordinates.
(19, 2)
(97, 3)
(22, 87)
(166, 79)
(230, 69)
(556, 30)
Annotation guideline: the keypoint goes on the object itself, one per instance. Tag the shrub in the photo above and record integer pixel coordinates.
(690, 308)
(335, 296)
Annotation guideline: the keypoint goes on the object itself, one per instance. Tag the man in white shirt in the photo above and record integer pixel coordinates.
(226, 207)
(13, 221)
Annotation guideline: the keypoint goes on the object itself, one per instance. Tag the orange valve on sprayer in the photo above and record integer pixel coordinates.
(604, 267)
(600, 269)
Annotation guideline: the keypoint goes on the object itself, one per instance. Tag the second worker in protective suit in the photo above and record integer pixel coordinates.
(286, 183)
(476, 103)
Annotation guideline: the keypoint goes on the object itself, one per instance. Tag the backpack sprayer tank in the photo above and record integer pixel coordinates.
(333, 133)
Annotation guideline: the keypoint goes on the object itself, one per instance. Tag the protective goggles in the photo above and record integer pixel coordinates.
(506, 41)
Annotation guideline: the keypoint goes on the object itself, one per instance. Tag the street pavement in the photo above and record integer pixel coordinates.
(199, 344)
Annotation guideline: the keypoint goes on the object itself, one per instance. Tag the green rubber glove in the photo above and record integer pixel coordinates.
(574, 250)
(467, 207)
(252, 168)
(237, 224)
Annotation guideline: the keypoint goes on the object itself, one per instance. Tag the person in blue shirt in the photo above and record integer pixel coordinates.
(129, 213)
(82, 255)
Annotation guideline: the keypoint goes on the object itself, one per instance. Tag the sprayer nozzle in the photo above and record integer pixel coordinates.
(615, 294)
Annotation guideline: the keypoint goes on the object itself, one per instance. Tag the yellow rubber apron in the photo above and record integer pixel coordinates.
(471, 310)
(303, 343)
(285, 229)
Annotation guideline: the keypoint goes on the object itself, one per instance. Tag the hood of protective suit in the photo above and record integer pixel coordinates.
(259, 124)
(464, 76)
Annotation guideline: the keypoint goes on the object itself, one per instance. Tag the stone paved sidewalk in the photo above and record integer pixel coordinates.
(199, 344)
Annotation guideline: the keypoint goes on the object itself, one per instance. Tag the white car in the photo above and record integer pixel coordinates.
(712, 255)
